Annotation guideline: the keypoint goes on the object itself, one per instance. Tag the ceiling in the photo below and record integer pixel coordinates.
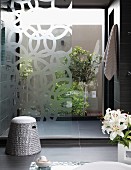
(91, 3)
(76, 3)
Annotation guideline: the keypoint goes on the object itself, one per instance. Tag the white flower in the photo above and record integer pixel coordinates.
(118, 111)
(117, 129)
(108, 110)
(124, 118)
(107, 116)
(115, 115)
(116, 124)
(105, 127)
(129, 119)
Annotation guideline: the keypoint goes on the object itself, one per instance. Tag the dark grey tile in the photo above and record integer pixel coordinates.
(125, 85)
(126, 2)
(91, 133)
(89, 124)
(87, 154)
(66, 129)
(125, 51)
(126, 11)
(61, 153)
(126, 106)
(14, 162)
(125, 36)
(59, 133)
(4, 124)
(74, 129)
(124, 78)
(65, 142)
(15, 168)
(91, 154)
(126, 96)
(56, 124)
(117, 91)
(116, 104)
(57, 129)
(70, 153)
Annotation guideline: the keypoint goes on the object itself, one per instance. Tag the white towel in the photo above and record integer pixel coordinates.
(110, 56)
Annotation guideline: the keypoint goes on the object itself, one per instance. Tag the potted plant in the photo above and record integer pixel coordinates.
(118, 125)
(84, 66)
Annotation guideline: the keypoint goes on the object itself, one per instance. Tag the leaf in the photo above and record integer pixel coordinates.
(129, 137)
(126, 142)
(127, 133)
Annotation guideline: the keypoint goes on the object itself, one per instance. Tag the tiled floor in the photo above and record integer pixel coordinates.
(67, 151)
(70, 129)
(87, 154)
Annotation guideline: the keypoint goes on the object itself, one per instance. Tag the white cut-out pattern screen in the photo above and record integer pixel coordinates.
(38, 47)
(41, 68)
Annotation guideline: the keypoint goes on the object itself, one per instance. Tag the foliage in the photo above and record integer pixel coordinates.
(118, 126)
(78, 102)
(76, 94)
(26, 68)
(83, 65)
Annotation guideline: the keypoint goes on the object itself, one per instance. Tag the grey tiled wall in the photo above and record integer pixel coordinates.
(5, 101)
(6, 93)
(122, 82)
(115, 6)
(125, 51)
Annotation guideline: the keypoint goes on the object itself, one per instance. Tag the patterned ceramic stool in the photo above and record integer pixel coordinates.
(23, 138)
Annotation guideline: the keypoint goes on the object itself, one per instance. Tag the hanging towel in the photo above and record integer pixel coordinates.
(110, 56)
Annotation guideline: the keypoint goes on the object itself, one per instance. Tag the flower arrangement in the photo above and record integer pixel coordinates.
(118, 126)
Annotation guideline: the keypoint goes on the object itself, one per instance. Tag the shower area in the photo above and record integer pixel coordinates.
(51, 68)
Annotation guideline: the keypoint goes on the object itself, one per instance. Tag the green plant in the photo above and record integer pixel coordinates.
(25, 68)
(72, 97)
(78, 101)
(83, 65)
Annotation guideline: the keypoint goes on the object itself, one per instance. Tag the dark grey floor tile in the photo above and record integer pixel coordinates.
(14, 168)
(97, 153)
(15, 162)
(61, 153)
(90, 124)
(86, 154)
(58, 129)
(68, 129)
(91, 133)
(63, 129)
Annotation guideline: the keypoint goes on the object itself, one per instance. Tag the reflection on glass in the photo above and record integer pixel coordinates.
(2, 43)
(84, 66)
(54, 69)
(44, 70)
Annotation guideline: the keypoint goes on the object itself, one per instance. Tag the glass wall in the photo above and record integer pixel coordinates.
(53, 65)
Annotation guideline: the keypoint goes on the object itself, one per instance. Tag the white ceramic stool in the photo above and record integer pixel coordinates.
(23, 138)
